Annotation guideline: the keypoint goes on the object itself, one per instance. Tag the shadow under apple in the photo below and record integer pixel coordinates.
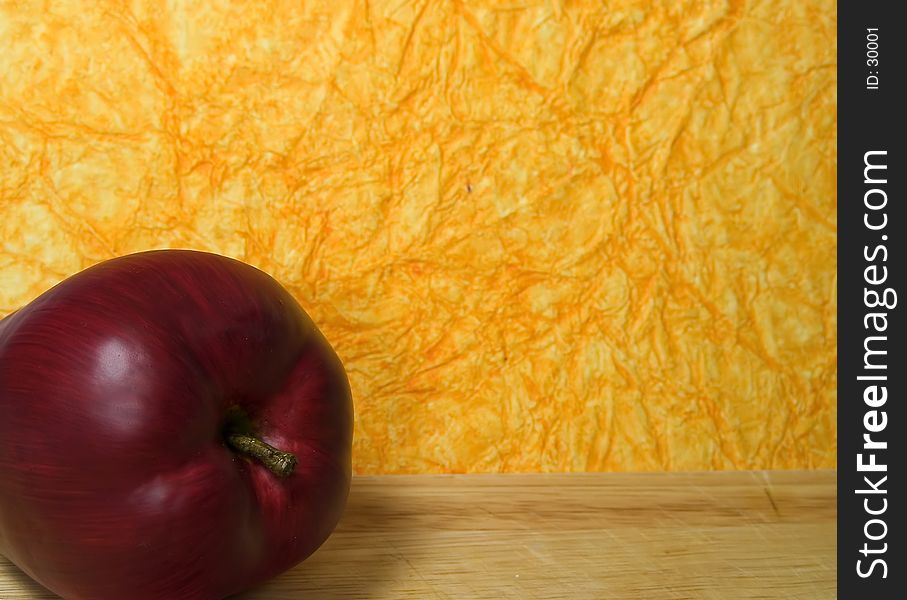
(362, 558)
(15, 584)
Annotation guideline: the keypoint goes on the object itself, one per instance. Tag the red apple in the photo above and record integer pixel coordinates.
(172, 426)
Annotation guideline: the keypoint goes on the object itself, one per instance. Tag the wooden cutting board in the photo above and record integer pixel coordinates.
(721, 536)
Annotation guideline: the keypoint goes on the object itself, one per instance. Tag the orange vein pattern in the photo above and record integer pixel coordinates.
(543, 236)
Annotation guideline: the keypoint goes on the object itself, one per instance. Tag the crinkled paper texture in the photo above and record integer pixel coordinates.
(542, 235)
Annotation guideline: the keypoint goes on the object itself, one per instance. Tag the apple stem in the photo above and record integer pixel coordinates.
(278, 462)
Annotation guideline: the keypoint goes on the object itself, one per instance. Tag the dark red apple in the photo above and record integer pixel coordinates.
(172, 426)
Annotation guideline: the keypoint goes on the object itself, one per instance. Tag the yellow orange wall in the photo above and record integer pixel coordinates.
(542, 235)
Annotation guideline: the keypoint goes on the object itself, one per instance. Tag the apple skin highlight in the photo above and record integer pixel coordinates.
(119, 390)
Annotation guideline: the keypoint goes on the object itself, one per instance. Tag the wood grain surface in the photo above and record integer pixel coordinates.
(720, 535)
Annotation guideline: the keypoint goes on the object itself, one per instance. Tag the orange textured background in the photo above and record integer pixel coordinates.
(542, 235)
